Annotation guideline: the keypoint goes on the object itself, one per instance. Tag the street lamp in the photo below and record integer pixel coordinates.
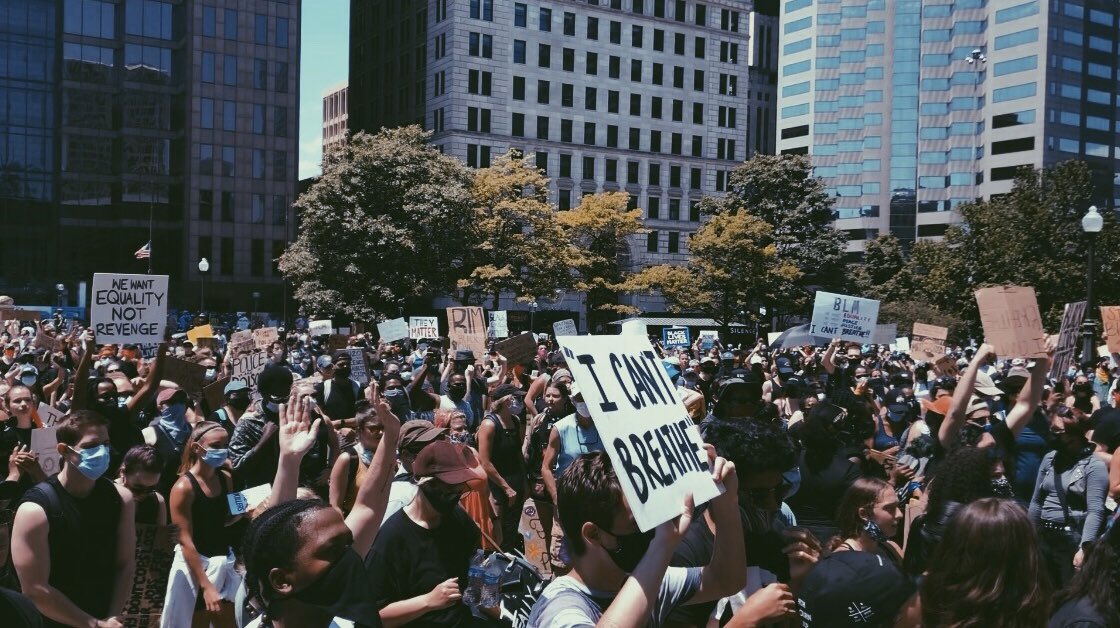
(532, 313)
(1091, 223)
(203, 268)
(256, 300)
(61, 290)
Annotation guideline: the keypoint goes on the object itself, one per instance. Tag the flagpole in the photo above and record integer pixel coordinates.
(149, 234)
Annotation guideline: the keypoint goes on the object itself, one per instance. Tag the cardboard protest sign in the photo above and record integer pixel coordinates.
(207, 343)
(901, 344)
(337, 341)
(466, 328)
(655, 447)
(423, 327)
(190, 376)
(202, 331)
(43, 443)
(320, 328)
(1110, 317)
(927, 342)
(48, 415)
(265, 336)
(241, 342)
(215, 393)
(1011, 321)
(1072, 316)
(154, 551)
(499, 324)
(247, 368)
(708, 338)
(520, 349)
(17, 314)
(128, 308)
(51, 343)
(844, 317)
(566, 327)
(358, 368)
(884, 334)
(946, 365)
(390, 330)
(676, 337)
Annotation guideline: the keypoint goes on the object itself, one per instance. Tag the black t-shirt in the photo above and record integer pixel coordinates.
(1079, 613)
(1106, 427)
(408, 560)
(823, 483)
(341, 403)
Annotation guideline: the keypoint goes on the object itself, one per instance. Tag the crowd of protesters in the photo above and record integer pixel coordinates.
(861, 488)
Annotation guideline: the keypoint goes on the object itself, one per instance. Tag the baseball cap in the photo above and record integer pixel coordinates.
(323, 362)
(1016, 377)
(167, 395)
(898, 411)
(562, 375)
(419, 432)
(851, 588)
(975, 404)
(507, 389)
(448, 462)
(985, 385)
(785, 367)
(234, 386)
(464, 355)
(275, 383)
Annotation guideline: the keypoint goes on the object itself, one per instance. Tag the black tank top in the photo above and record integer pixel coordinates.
(147, 510)
(208, 519)
(172, 457)
(505, 454)
(82, 536)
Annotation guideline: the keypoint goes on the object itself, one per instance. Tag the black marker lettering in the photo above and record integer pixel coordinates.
(635, 475)
(655, 453)
(606, 405)
(643, 457)
(634, 401)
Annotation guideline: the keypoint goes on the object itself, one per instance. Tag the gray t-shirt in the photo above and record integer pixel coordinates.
(567, 603)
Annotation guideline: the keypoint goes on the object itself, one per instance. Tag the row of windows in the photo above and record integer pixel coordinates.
(96, 64)
(97, 18)
(228, 64)
(280, 34)
(728, 19)
(614, 65)
(223, 207)
(1077, 11)
(225, 262)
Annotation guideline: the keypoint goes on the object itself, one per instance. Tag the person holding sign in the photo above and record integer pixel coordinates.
(74, 536)
(621, 575)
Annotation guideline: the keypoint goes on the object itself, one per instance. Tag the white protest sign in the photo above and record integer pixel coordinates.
(844, 317)
(247, 368)
(320, 328)
(128, 308)
(248, 499)
(43, 442)
(499, 326)
(423, 327)
(884, 333)
(48, 415)
(358, 369)
(708, 338)
(901, 344)
(771, 336)
(655, 447)
(634, 328)
(395, 329)
(566, 327)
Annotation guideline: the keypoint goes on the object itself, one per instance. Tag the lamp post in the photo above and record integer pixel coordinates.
(256, 301)
(532, 313)
(979, 59)
(1091, 224)
(61, 290)
(203, 268)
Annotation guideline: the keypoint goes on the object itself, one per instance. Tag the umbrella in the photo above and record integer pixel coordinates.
(795, 337)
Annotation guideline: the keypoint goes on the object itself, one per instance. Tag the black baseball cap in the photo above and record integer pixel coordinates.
(850, 588)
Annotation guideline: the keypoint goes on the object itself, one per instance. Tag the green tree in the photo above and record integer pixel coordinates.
(597, 232)
(734, 265)
(518, 245)
(782, 191)
(906, 313)
(388, 219)
(884, 273)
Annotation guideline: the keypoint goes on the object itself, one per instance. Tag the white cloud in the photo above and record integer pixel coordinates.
(310, 156)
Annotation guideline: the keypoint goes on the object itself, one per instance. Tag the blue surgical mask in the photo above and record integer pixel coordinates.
(173, 419)
(215, 457)
(28, 380)
(793, 478)
(94, 461)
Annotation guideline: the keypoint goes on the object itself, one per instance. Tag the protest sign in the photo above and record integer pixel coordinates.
(423, 327)
(207, 343)
(518, 350)
(708, 338)
(43, 443)
(51, 343)
(466, 328)
(676, 337)
(844, 317)
(247, 368)
(48, 415)
(265, 336)
(946, 365)
(190, 376)
(566, 327)
(337, 341)
(634, 328)
(202, 331)
(148, 351)
(128, 308)
(884, 334)
(215, 393)
(17, 314)
(1102, 351)
(320, 328)
(242, 502)
(154, 551)
(1011, 321)
(358, 368)
(927, 342)
(901, 344)
(499, 326)
(395, 329)
(655, 447)
(1110, 317)
(1067, 343)
(241, 342)
(771, 336)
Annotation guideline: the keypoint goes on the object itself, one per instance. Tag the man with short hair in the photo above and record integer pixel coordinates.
(338, 395)
(74, 536)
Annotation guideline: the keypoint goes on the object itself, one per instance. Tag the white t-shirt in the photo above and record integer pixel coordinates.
(568, 603)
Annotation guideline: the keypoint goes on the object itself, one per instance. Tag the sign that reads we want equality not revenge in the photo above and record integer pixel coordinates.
(129, 308)
(655, 448)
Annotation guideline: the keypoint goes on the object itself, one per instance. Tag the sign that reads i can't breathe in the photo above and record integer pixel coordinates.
(655, 448)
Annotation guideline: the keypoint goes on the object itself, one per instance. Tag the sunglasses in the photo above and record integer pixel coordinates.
(779, 491)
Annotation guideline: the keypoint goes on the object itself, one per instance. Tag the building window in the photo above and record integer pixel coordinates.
(229, 24)
(565, 200)
(520, 12)
(592, 63)
(653, 212)
(206, 204)
(611, 174)
(482, 10)
(229, 70)
(651, 241)
(207, 67)
(542, 92)
(612, 136)
(589, 98)
(545, 20)
(258, 119)
(478, 82)
(542, 162)
(517, 125)
(635, 104)
(544, 55)
(569, 59)
(281, 32)
(612, 101)
(569, 24)
(260, 30)
(567, 95)
(655, 174)
(565, 130)
(280, 121)
(674, 242)
(256, 215)
(206, 113)
(209, 21)
(279, 165)
(258, 163)
(228, 207)
(593, 28)
(589, 133)
(226, 260)
(148, 18)
(565, 165)
(279, 210)
(519, 88)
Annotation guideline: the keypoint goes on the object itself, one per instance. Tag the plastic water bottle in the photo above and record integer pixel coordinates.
(475, 576)
(491, 585)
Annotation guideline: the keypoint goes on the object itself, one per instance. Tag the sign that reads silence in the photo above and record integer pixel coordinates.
(423, 327)
(129, 308)
(675, 337)
(655, 447)
(844, 317)
(1011, 321)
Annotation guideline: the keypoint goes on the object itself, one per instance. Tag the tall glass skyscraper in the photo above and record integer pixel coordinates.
(910, 108)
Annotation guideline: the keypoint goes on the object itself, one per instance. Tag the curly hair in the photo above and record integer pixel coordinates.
(964, 477)
(754, 446)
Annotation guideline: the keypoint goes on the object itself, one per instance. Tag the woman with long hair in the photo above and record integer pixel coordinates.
(353, 463)
(869, 517)
(987, 573)
(203, 582)
(1092, 599)
(539, 507)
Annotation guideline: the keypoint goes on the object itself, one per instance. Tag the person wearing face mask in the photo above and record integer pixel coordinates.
(338, 395)
(869, 516)
(74, 536)
(423, 552)
(499, 449)
(16, 437)
(139, 473)
(237, 402)
(353, 463)
(458, 395)
(169, 433)
(203, 582)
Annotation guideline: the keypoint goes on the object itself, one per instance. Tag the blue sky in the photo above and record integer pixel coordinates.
(324, 63)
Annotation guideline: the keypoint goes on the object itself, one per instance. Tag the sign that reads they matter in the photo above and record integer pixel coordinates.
(655, 447)
(129, 308)
(844, 317)
(423, 327)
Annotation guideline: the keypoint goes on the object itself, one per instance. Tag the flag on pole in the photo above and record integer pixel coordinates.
(145, 251)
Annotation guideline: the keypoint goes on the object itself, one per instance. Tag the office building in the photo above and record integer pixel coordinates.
(909, 108)
(132, 120)
(646, 96)
(334, 116)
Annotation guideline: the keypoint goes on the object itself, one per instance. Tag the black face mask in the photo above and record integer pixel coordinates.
(630, 550)
(457, 391)
(341, 372)
(343, 590)
(444, 503)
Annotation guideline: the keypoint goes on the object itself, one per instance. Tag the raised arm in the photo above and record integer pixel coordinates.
(954, 420)
(81, 373)
(297, 436)
(151, 381)
(1031, 395)
(370, 504)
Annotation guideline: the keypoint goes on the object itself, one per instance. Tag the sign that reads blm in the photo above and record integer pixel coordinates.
(466, 328)
(656, 449)
(129, 308)
(844, 317)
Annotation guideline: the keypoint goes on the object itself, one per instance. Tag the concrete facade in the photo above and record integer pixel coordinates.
(335, 107)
